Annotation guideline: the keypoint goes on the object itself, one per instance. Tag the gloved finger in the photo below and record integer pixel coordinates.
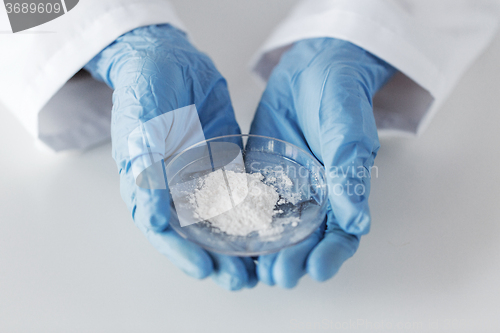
(189, 257)
(229, 272)
(265, 268)
(151, 215)
(290, 264)
(326, 258)
(348, 198)
(251, 271)
(152, 208)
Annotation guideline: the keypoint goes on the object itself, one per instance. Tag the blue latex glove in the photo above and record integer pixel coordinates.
(154, 70)
(319, 97)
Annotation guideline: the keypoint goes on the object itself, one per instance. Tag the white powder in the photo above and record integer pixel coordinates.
(247, 206)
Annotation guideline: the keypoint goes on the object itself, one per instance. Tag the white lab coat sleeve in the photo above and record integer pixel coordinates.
(36, 65)
(430, 42)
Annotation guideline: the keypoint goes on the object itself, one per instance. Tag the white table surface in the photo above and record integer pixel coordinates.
(71, 259)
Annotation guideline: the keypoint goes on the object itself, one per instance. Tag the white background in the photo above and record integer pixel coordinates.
(4, 20)
(71, 259)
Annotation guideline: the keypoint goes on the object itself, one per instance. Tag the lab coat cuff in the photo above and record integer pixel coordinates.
(49, 100)
(405, 105)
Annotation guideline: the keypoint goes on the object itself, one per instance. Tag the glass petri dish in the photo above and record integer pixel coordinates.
(302, 212)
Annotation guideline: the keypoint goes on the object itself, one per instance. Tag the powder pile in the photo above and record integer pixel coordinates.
(247, 206)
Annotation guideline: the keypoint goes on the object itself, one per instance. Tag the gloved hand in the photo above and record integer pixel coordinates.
(319, 97)
(154, 70)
